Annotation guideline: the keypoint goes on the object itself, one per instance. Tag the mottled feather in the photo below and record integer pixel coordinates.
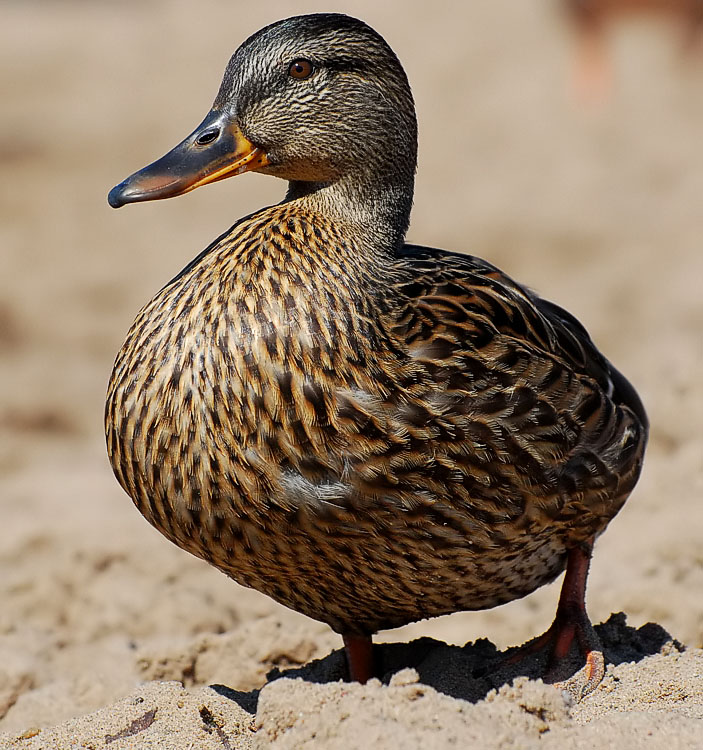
(368, 445)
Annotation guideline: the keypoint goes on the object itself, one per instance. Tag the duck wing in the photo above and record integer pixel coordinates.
(452, 297)
(532, 387)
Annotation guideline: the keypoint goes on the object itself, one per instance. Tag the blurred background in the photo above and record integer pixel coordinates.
(573, 162)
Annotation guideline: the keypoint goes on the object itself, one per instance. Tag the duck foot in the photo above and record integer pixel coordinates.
(359, 650)
(570, 623)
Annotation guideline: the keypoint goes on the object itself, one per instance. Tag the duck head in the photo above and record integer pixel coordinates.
(319, 100)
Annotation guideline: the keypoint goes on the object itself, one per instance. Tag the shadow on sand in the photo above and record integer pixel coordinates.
(470, 672)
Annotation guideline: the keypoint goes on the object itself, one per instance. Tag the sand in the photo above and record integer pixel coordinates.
(111, 637)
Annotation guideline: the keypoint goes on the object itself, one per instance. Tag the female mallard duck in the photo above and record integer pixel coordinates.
(366, 431)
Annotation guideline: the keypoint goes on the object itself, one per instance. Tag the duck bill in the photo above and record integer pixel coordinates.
(214, 150)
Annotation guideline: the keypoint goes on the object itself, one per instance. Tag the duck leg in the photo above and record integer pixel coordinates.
(571, 622)
(593, 75)
(359, 650)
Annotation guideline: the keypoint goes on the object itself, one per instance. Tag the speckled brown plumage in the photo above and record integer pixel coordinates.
(368, 432)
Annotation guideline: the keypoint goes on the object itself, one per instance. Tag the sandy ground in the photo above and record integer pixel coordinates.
(111, 637)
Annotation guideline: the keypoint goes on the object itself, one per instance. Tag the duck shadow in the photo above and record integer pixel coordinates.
(469, 672)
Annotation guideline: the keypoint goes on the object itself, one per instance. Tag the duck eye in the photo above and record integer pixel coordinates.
(207, 137)
(301, 69)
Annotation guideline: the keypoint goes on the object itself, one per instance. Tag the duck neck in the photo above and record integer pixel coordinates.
(375, 202)
(382, 215)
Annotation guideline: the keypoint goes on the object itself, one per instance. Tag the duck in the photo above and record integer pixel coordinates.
(369, 432)
(591, 19)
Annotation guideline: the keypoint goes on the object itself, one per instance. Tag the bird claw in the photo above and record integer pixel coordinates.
(579, 688)
(571, 624)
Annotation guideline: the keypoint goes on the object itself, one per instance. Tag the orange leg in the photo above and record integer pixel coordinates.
(571, 622)
(359, 649)
(593, 75)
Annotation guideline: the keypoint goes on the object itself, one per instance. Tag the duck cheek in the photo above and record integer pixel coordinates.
(294, 168)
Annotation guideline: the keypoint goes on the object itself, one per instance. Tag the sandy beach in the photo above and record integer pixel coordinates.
(110, 637)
